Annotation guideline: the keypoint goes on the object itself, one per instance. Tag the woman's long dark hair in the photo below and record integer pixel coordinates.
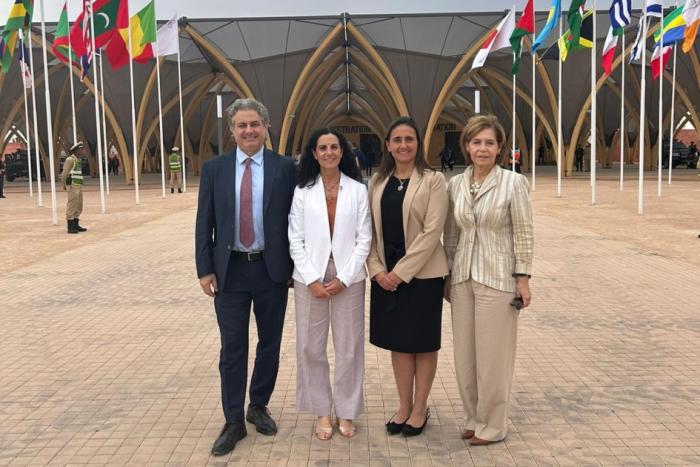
(388, 164)
(308, 165)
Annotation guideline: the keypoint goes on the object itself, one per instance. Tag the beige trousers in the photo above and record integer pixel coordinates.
(74, 206)
(175, 180)
(345, 312)
(485, 333)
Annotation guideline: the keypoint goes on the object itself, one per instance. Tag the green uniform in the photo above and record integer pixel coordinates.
(175, 171)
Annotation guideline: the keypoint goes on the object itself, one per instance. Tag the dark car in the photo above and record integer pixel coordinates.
(680, 155)
(17, 166)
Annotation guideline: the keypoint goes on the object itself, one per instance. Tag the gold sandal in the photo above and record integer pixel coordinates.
(346, 432)
(324, 433)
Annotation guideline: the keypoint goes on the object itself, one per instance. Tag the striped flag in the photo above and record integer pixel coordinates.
(636, 52)
(620, 13)
(673, 27)
(657, 58)
(552, 18)
(609, 50)
(691, 14)
(23, 57)
(654, 8)
(498, 39)
(524, 26)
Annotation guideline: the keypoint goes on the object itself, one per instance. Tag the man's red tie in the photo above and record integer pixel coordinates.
(246, 233)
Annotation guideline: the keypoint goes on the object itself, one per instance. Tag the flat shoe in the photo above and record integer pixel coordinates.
(394, 428)
(346, 432)
(482, 442)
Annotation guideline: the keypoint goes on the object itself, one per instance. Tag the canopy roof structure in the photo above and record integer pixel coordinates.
(357, 73)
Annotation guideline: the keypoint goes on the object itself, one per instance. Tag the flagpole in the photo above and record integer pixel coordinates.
(512, 153)
(594, 109)
(660, 132)
(533, 148)
(70, 75)
(36, 124)
(104, 123)
(623, 135)
(98, 129)
(133, 117)
(559, 129)
(182, 120)
(160, 120)
(26, 122)
(49, 125)
(673, 104)
(642, 115)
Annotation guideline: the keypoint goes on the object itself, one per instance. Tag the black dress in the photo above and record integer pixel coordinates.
(407, 320)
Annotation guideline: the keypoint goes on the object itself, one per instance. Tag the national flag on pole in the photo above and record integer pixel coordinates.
(585, 37)
(552, 18)
(636, 52)
(654, 8)
(143, 33)
(656, 60)
(575, 18)
(168, 38)
(673, 27)
(620, 13)
(105, 25)
(691, 14)
(20, 16)
(609, 51)
(524, 26)
(8, 41)
(60, 42)
(23, 57)
(498, 38)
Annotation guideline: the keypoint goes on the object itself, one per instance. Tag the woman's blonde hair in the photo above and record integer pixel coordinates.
(476, 125)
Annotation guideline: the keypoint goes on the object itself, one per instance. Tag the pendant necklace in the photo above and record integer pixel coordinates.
(401, 183)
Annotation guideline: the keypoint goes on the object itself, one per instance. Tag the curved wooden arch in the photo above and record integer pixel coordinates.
(205, 130)
(360, 119)
(363, 64)
(314, 61)
(197, 94)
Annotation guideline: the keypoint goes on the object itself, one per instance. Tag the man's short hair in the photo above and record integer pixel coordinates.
(249, 104)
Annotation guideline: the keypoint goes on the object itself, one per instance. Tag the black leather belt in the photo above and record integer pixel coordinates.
(249, 256)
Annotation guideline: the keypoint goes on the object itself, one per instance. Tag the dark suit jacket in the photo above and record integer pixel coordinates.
(214, 232)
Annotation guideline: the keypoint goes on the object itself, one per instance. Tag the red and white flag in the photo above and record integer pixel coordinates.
(655, 63)
(498, 39)
(609, 51)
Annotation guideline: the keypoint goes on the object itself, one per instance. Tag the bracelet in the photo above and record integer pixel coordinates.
(520, 274)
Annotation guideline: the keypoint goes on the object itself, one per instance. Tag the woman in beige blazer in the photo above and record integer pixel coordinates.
(489, 242)
(407, 264)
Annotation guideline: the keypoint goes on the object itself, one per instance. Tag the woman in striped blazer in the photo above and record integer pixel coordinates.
(489, 242)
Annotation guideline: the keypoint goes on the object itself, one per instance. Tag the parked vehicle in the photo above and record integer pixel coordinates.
(16, 166)
(680, 155)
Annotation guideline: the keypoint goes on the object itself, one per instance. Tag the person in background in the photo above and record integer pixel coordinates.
(72, 181)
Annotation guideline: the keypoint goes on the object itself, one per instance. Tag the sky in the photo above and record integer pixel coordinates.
(245, 8)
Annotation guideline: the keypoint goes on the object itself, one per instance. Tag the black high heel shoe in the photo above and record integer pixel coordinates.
(410, 430)
(394, 428)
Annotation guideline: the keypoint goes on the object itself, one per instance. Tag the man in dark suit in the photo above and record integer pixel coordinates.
(242, 255)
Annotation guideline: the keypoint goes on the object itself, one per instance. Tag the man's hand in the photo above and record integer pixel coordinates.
(209, 285)
(522, 290)
(333, 287)
(318, 290)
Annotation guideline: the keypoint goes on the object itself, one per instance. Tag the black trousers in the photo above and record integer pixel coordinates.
(248, 283)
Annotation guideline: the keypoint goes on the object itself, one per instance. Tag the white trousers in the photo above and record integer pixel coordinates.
(345, 313)
(485, 328)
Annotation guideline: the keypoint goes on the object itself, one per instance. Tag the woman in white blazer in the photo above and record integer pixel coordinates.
(489, 243)
(330, 233)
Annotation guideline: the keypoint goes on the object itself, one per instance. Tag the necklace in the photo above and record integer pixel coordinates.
(329, 190)
(402, 182)
(475, 186)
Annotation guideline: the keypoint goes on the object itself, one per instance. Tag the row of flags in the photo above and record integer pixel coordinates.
(111, 22)
(680, 25)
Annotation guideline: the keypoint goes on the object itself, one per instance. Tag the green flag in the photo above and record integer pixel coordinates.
(575, 17)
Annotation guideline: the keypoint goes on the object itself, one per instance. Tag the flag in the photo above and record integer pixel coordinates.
(552, 18)
(691, 15)
(636, 52)
(105, 12)
(60, 41)
(673, 27)
(23, 57)
(143, 33)
(117, 51)
(525, 26)
(620, 13)
(609, 50)
(20, 16)
(8, 41)
(656, 65)
(585, 38)
(575, 18)
(497, 39)
(654, 8)
(168, 38)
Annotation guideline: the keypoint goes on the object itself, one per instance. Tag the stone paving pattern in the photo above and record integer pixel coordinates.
(110, 350)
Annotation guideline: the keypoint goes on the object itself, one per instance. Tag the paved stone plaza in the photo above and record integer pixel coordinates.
(110, 350)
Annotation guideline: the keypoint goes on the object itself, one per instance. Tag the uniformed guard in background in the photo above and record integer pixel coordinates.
(72, 181)
(175, 170)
